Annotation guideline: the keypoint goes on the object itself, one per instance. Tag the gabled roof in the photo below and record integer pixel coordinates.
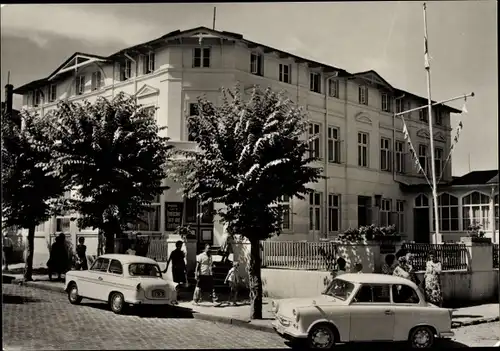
(477, 178)
(374, 78)
(207, 32)
(78, 59)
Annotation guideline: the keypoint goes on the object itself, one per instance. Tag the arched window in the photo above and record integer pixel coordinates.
(476, 210)
(448, 213)
(421, 201)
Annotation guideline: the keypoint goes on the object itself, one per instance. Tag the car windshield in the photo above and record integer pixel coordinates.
(144, 270)
(339, 288)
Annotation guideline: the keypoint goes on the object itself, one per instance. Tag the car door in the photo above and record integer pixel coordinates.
(113, 281)
(372, 314)
(408, 309)
(96, 287)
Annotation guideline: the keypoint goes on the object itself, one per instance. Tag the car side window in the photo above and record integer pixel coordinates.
(404, 294)
(100, 265)
(115, 267)
(373, 293)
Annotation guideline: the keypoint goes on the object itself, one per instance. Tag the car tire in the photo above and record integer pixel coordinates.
(73, 296)
(421, 337)
(321, 337)
(117, 303)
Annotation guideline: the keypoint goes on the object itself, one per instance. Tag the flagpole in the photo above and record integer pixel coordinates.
(431, 134)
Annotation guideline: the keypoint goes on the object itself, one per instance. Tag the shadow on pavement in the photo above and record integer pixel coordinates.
(466, 316)
(18, 300)
(146, 311)
(441, 344)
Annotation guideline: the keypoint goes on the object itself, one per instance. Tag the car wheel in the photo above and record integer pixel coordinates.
(321, 337)
(117, 303)
(421, 337)
(73, 296)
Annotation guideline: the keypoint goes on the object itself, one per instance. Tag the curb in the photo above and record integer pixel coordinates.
(457, 324)
(233, 321)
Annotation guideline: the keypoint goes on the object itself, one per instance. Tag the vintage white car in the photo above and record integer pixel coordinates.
(363, 307)
(121, 280)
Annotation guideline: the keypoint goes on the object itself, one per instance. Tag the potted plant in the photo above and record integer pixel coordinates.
(475, 234)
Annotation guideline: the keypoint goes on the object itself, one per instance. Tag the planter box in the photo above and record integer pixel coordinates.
(475, 239)
(387, 238)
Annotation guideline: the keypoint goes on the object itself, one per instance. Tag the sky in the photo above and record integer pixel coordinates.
(356, 36)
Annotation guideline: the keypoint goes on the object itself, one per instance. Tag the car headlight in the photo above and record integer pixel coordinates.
(296, 314)
(275, 306)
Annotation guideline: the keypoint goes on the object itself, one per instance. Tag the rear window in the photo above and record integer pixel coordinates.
(144, 270)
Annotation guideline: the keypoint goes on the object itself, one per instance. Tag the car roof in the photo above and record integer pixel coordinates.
(123, 258)
(374, 278)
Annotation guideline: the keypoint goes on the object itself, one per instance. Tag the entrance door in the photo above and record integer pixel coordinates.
(421, 233)
(200, 218)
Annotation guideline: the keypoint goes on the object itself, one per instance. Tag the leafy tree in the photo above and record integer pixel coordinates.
(111, 153)
(250, 154)
(29, 193)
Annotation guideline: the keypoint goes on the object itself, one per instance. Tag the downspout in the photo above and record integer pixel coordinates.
(325, 147)
(346, 133)
(136, 72)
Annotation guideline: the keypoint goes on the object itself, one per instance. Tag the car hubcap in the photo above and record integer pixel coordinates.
(321, 338)
(73, 294)
(421, 338)
(117, 302)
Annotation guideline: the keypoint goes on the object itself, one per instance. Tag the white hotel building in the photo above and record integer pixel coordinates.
(361, 144)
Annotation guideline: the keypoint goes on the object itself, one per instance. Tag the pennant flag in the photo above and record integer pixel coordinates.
(426, 54)
(405, 131)
(464, 108)
(455, 141)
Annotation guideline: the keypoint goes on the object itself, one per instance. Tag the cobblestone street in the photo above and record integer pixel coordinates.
(43, 320)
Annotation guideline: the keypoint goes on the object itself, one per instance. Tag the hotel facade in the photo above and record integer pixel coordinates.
(369, 173)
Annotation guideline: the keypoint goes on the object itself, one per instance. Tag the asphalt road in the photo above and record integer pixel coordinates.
(36, 319)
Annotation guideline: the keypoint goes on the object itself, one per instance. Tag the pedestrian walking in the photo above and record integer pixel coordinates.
(204, 277)
(388, 266)
(177, 258)
(81, 255)
(7, 249)
(58, 261)
(432, 279)
(233, 280)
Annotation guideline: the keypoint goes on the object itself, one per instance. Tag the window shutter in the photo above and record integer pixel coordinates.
(366, 95)
(389, 161)
(117, 71)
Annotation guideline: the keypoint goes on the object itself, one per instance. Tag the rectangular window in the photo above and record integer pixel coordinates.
(399, 105)
(385, 212)
(126, 70)
(284, 203)
(256, 64)
(438, 117)
(333, 213)
(315, 211)
(386, 103)
(201, 57)
(438, 161)
(80, 85)
(362, 149)
(333, 88)
(149, 63)
(63, 224)
(315, 145)
(363, 95)
(97, 81)
(423, 115)
(422, 156)
(38, 97)
(364, 210)
(333, 145)
(400, 210)
(52, 92)
(385, 154)
(285, 73)
(400, 157)
(315, 82)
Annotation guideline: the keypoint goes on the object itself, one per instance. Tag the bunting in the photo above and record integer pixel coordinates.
(455, 141)
(413, 153)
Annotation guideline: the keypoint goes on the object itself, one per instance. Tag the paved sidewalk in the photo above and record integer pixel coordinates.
(239, 315)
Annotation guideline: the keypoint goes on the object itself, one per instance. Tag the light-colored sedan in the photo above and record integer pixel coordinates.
(360, 308)
(121, 280)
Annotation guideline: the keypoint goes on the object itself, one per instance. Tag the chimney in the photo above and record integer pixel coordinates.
(9, 92)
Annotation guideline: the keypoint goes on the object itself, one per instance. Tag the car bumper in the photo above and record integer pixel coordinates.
(448, 334)
(151, 302)
(288, 332)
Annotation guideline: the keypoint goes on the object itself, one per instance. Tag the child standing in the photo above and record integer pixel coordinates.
(233, 280)
(81, 255)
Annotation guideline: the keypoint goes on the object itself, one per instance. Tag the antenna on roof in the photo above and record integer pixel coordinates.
(215, 13)
(8, 77)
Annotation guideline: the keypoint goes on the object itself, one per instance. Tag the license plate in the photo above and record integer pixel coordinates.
(158, 293)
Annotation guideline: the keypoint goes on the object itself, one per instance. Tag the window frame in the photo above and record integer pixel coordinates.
(257, 63)
(399, 154)
(333, 88)
(205, 57)
(315, 211)
(37, 97)
(371, 285)
(450, 220)
(152, 222)
(315, 149)
(439, 117)
(315, 82)
(363, 146)
(96, 81)
(423, 115)
(385, 212)
(399, 105)
(385, 102)
(438, 161)
(385, 154)
(114, 273)
(468, 208)
(415, 293)
(400, 211)
(149, 62)
(285, 77)
(363, 94)
(285, 202)
(52, 92)
(423, 156)
(333, 146)
(332, 208)
(92, 268)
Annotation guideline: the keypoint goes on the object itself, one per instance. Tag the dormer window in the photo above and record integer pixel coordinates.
(126, 70)
(80, 85)
(97, 81)
(256, 64)
(52, 92)
(149, 63)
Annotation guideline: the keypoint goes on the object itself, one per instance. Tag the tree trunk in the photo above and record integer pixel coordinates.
(28, 271)
(255, 281)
